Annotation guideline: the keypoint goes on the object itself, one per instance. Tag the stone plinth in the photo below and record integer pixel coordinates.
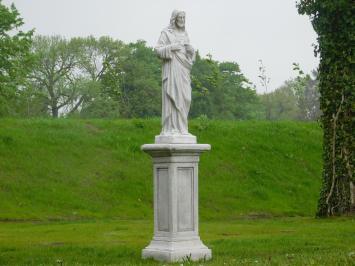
(176, 236)
(175, 139)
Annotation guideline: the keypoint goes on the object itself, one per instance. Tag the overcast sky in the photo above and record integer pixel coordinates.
(243, 31)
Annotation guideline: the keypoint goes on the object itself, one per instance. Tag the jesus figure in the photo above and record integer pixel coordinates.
(177, 55)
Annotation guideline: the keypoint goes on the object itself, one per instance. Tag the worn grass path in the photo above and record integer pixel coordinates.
(278, 241)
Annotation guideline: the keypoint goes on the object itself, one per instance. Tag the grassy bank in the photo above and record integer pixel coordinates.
(79, 192)
(79, 169)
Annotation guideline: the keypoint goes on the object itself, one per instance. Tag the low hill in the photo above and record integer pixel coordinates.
(79, 169)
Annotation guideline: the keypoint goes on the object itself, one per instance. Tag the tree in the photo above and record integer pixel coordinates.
(296, 99)
(15, 59)
(203, 85)
(307, 91)
(282, 103)
(221, 91)
(264, 81)
(239, 97)
(100, 61)
(56, 73)
(334, 23)
(141, 82)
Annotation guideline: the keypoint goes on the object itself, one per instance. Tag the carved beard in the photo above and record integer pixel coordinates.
(180, 24)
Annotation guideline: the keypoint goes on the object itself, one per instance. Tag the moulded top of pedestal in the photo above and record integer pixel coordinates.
(175, 148)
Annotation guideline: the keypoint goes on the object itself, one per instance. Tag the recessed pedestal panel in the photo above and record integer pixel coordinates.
(176, 236)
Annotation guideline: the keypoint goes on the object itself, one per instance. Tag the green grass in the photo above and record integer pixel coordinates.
(79, 192)
(76, 169)
(277, 241)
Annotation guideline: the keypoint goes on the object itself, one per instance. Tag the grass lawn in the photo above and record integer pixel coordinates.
(277, 241)
(81, 192)
(94, 169)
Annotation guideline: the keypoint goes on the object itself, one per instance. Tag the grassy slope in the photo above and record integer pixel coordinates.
(55, 169)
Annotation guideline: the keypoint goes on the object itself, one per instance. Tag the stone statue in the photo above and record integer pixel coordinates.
(178, 56)
(176, 155)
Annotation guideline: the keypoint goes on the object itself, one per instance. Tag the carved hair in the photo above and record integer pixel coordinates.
(173, 18)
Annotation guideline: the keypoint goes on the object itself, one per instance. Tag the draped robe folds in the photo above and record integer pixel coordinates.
(176, 82)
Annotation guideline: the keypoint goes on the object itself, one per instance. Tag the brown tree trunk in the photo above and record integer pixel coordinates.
(352, 193)
(55, 112)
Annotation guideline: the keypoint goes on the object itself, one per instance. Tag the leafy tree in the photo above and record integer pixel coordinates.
(281, 103)
(296, 99)
(15, 59)
(220, 90)
(141, 82)
(202, 86)
(56, 73)
(307, 92)
(334, 23)
(30, 102)
(100, 61)
(264, 81)
(239, 97)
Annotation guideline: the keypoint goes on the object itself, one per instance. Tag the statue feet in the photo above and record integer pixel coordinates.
(175, 138)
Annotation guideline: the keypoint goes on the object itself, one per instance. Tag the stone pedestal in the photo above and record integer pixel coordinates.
(176, 236)
(175, 139)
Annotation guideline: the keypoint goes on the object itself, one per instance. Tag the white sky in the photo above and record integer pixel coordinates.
(243, 31)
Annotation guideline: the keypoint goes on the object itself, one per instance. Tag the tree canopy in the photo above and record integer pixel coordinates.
(15, 58)
(90, 77)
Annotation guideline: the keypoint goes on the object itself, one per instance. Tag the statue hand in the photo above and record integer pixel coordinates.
(189, 48)
(176, 47)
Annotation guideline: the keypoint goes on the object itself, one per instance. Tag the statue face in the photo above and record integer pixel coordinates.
(180, 20)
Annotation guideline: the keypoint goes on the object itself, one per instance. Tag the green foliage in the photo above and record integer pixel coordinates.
(15, 59)
(96, 78)
(202, 122)
(105, 78)
(55, 73)
(141, 84)
(335, 25)
(221, 91)
(74, 169)
(100, 61)
(281, 104)
(296, 99)
(306, 90)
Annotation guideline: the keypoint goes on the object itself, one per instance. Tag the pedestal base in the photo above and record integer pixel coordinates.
(176, 236)
(170, 251)
(176, 139)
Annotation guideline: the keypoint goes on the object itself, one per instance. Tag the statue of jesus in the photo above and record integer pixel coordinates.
(178, 56)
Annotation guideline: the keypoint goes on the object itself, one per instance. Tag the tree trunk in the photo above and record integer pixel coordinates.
(337, 97)
(336, 104)
(55, 111)
(352, 195)
(334, 23)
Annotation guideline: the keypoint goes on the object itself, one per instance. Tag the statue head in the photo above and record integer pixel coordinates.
(177, 20)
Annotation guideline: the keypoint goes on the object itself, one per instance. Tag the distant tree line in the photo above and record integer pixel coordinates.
(296, 99)
(50, 76)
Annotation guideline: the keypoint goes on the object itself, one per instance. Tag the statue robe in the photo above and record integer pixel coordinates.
(176, 82)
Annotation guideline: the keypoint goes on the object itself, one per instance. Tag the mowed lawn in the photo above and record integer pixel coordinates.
(80, 192)
(277, 241)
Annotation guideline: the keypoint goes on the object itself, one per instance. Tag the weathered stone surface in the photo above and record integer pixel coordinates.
(177, 55)
(176, 236)
(177, 139)
(176, 155)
